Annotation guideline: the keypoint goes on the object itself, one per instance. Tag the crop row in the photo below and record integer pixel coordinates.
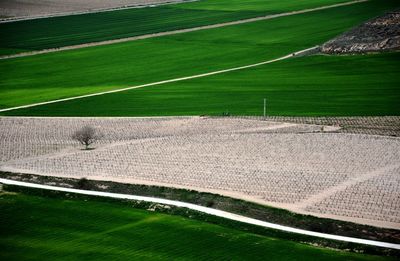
(30, 137)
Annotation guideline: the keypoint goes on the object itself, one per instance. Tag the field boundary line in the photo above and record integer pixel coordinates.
(302, 52)
(210, 211)
(160, 34)
(319, 197)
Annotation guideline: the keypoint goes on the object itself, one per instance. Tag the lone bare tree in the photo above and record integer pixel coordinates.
(86, 136)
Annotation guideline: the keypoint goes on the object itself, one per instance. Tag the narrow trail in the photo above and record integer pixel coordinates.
(147, 36)
(341, 187)
(298, 53)
(209, 211)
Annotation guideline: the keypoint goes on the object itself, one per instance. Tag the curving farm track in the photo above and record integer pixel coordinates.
(210, 211)
(352, 177)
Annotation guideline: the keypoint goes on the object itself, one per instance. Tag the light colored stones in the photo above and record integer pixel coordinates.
(377, 35)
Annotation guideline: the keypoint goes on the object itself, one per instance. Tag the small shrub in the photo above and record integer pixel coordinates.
(86, 136)
(210, 203)
(83, 183)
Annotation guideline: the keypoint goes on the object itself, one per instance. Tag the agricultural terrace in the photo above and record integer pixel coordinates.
(56, 32)
(58, 75)
(73, 228)
(293, 166)
(11, 10)
(313, 86)
(337, 168)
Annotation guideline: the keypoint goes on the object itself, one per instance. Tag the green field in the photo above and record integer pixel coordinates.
(69, 30)
(42, 228)
(317, 85)
(71, 73)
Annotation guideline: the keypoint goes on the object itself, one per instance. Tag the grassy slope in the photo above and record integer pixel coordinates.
(61, 31)
(317, 85)
(241, 207)
(51, 76)
(38, 228)
(273, 6)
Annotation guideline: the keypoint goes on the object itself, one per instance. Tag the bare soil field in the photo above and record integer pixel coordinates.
(43, 8)
(305, 168)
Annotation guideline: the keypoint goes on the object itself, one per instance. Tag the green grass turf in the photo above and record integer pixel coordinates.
(41, 228)
(314, 86)
(71, 73)
(241, 207)
(77, 29)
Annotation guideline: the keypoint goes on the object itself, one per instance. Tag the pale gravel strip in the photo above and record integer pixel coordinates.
(280, 126)
(210, 211)
(147, 36)
(163, 82)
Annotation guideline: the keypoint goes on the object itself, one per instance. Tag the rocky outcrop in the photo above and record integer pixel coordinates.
(376, 35)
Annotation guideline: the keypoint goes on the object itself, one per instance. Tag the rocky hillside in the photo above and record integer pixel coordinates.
(379, 34)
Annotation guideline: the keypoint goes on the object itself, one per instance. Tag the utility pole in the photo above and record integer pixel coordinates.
(265, 108)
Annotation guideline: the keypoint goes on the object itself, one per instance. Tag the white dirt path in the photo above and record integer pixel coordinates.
(349, 177)
(210, 211)
(147, 36)
(163, 82)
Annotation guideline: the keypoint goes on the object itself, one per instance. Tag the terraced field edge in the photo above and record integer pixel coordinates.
(237, 206)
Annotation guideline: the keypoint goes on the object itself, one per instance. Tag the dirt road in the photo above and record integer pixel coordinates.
(147, 36)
